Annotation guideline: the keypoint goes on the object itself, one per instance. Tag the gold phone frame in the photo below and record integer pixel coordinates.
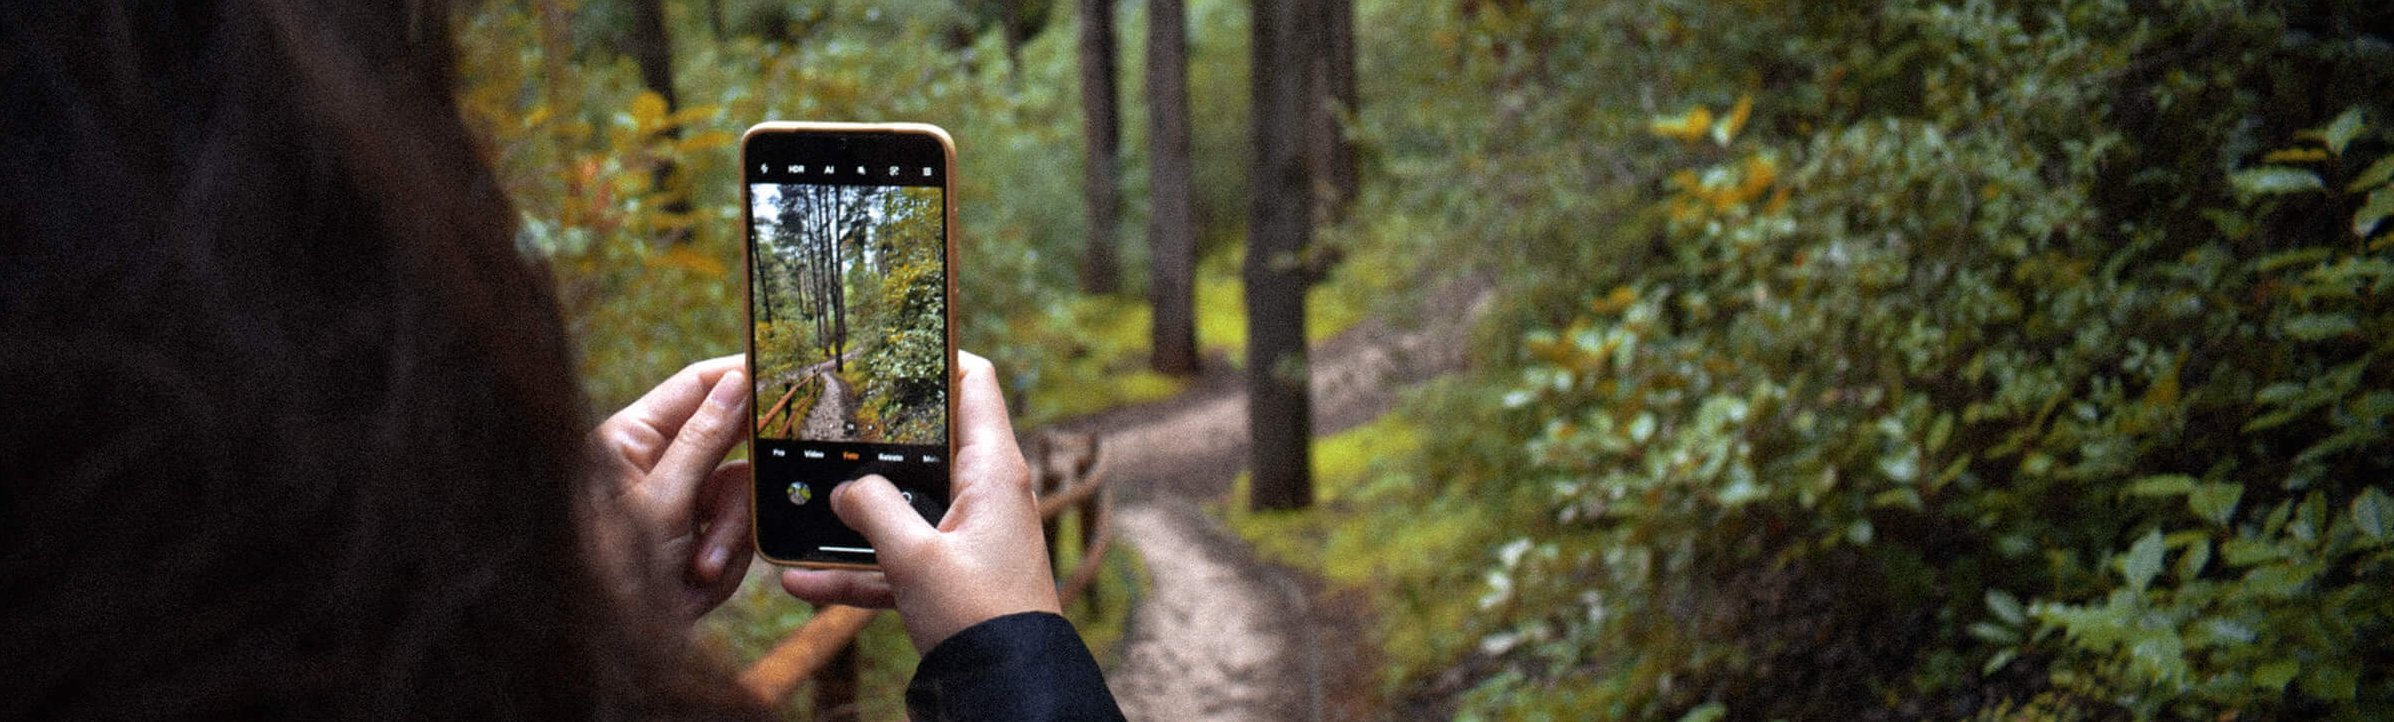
(947, 204)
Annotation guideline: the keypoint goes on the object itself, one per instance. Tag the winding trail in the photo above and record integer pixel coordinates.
(1220, 635)
(834, 412)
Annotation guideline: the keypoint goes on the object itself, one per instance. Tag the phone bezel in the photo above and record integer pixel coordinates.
(947, 185)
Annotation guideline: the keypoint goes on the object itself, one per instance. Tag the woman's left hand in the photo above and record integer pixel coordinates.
(665, 454)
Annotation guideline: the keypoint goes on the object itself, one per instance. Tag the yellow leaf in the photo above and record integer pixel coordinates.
(1614, 302)
(648, 109)
(692, 114)
(1778, 202)
(684, 258)
(707, 141)
(1687, 127)
(2164, 390)
(1685, 180)
(2295, 155)
(1735, 121)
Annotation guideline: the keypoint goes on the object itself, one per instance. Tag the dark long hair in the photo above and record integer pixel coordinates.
(288, 424)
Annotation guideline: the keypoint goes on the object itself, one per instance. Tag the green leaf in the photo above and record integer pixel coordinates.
(2296, 257)
(2163, 485)
(2379, 206)
(1707, 712)
(2339, 133)
(2283, 580)
(2310, 519)
(2190, 564)
(2318, 326)
(2373, 513)
(2332, 682)
(1994, 633)
(2374, 406)
(1860, 532)
(2229, 223)
(2006, 607)
(2278, 393)
(2274, 675)
(1906, 497)
(2143, 561)
(2215, 502)
(2270, 180)
(1996, 662)
(2377, 175)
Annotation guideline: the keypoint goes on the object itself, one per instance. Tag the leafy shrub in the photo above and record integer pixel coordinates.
(1931, 359)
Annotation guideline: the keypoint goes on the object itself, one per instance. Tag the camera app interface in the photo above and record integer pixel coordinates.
(848, 295)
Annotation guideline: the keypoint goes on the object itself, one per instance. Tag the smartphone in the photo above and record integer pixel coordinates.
(851, 339)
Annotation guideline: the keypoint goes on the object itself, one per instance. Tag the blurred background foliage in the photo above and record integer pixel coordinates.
(1969, 358)
(1938, 359)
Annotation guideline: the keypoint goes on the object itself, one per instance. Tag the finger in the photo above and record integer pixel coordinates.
(713, 594)
(709, 435)
(989, 469)
(727, 525)
(645, 427)
(873, 507)
(839, 586)
(980, 405)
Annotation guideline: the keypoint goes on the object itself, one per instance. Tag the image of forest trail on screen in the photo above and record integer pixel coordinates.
(849, 300)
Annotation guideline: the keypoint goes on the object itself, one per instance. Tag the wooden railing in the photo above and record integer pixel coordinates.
(1068, 472)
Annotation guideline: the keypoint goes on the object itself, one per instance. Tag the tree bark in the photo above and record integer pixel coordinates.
(1280, 215)
(761, 267)
(653, 49)
(1335, 168)
(1016, 28)
(1100, 128)
(1171, 229)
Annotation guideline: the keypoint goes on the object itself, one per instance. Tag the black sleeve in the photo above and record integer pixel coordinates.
(1027, 666)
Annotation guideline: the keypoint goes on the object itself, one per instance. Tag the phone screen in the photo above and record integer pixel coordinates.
(850, 346)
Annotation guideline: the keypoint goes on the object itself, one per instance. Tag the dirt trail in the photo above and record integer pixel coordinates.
(834, 413)
(1219, 635)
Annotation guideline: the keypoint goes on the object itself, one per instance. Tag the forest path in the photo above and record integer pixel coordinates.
(819, 367)
(834, 411)
(1220, 635)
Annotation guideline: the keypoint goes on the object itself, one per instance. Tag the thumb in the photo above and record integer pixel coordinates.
(873, 507)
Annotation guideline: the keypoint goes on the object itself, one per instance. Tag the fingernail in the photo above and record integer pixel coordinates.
(728, 389)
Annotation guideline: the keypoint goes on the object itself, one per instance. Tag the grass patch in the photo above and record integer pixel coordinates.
(1102, 615)
(1331, 307)
(1378, 528)
(1101, 364)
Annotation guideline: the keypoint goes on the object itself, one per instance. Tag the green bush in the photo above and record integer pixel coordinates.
(1928, 359)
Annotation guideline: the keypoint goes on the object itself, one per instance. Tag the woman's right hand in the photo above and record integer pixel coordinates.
(986, 558)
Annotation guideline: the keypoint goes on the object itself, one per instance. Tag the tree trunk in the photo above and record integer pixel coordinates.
(654, 51)
(1279, 224)
(1015, 26)
(1171, 229)
(1100, 127)
(760, 265)
(1335, 168)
